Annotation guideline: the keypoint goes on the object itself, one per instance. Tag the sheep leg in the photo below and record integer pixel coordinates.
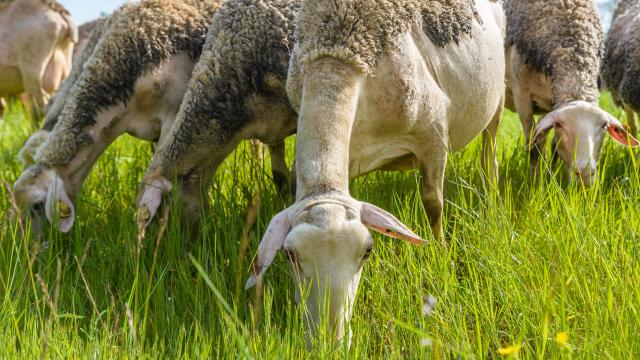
(432, 192)
(279, 169)
(490, 147)
(631, 120)
(194, 193)
(524, 106)
(3, 105)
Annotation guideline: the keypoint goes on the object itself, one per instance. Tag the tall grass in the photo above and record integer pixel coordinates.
(536, 269)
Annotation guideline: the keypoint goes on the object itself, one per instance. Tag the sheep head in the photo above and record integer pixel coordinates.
(44, 192)
(327, 242)
(580, 129)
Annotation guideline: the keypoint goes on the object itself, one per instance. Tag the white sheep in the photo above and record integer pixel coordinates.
(379, 84)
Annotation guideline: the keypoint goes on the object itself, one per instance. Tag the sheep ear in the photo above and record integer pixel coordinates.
(58, 208)
(543, 128)
(383, 222)
(272, 241)
(151, 199)
(620, 134)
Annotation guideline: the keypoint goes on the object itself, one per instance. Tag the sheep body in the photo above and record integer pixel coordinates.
(621, 62)
(237, 91)
(562, 40)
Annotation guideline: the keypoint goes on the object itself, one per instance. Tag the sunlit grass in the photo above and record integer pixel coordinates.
(536, 270)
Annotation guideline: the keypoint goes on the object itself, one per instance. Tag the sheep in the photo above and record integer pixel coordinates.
(237, 92)
(553, 50)
(27, 153)
(35, 51)
(620, 71)
(132, 83)
(379, 84)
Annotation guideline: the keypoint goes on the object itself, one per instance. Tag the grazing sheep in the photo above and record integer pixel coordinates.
(553, 50)
(379, 84)
(35, 50)
(237, 92)
(133, 83)
(26, 155)
(620, 70)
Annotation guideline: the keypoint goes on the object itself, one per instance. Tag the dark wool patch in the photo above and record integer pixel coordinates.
(140, 36)
(620, 70)
(59, 99)
(359, 31)
(248, 40)
(560, 38)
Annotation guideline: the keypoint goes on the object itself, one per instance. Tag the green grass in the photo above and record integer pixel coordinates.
(525, 263)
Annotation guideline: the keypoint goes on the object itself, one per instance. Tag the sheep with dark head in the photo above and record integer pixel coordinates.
(553, 51)
(621, 64)
(237, 92)
(133, 82)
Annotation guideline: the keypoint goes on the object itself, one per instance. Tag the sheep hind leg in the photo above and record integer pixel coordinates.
(631, 121)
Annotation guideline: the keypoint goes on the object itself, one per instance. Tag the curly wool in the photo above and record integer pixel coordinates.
(56, 103)
(359, 31)
(620, 70)
(247, 52)
(140, 36)
(563, 40)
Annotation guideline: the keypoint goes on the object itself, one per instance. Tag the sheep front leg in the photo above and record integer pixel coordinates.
(524, 106)
(279, 170)
(193, 192)
(631, 121)
(432, 192)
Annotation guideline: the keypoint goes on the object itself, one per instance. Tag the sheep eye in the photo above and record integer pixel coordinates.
(367, 252)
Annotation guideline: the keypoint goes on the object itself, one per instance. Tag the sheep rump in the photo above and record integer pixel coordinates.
(139, 38)
(368, 27)
(561, 39)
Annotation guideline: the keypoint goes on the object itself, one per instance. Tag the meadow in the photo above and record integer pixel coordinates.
(533, 269)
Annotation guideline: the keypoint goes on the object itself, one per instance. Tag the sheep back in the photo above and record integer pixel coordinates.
(359, 31)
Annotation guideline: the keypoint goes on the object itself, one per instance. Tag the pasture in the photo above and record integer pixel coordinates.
(533, 269)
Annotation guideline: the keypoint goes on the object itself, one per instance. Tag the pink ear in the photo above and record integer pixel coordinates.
(543, 127)
(383, 222)
(152, 198)
(56, 198)
(272, 241)
(620, 134)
